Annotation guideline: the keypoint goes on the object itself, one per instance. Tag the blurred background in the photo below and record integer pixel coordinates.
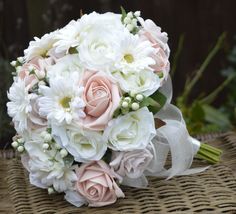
(201, 39)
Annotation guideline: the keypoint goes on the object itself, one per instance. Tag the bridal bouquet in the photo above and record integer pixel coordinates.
(91, 106)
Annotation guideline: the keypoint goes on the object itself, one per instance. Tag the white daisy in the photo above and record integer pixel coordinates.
(47, 167)
(134, 54)
(62, 102)
(40, 46)
(20, 104)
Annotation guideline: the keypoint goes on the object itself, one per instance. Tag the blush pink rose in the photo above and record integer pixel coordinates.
(39, 64)
(97, 185)
(35, 120)
(101, 96)
(132, 163)
(158, 39)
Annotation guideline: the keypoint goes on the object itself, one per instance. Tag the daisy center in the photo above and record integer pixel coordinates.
(65, 102)
(128, 58)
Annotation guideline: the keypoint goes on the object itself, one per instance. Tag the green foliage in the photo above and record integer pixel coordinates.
(200, 114)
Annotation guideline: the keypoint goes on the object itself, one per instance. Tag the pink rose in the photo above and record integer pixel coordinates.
(38, 64)
(97, 185)
(35, 120)
(131, 164)
(101, 96)
(152, 33)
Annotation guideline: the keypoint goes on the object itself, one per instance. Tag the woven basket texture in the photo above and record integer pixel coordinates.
(213, 191)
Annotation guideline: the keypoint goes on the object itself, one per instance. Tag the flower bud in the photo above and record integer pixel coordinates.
(127, 99)
(47, 137)
(127, 20)
(50, 190)
(45, 146)
(130, 15)
(13, 63)
(137, 13)
(63, 153)
(125, 104)
(20, 148)
(15, 144)
(135, 106)
(139, 97)
(130, 27)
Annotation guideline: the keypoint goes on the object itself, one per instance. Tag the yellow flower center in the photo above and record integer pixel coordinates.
(65, 102)
(128, 58)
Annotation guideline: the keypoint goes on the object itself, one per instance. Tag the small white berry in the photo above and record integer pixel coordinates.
(135, 106)
(130, 15)
(127, 20)
(13, 63)
(21, 140)
(137, 13)
(15, 144)
(134, 22)
(47, 137)
(40, 74)
(43, 133)
(127, 99)
(57, 146)
(50, 190)
(45, 146)
(41, 83)
(125, 104)
(132, 93)
(63, 153)
(130, 27)
(20, 148)
(139, 97)
(20, 59)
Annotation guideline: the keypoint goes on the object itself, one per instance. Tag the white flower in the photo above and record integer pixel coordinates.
(47, 168)
(84, 145)
(73, 34)
(155, 31)
(62, 102)
(98, 51)
(19, 106)
(131, 131)
(65, 66)
(40, 46)
(134, 54)
(145, 82)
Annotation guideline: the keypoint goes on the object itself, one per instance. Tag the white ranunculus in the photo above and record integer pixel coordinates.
(98, 50)
(132, 131)
(74, 33)
(47, 168)
(144, 82)
(83, 145)
(65, 66)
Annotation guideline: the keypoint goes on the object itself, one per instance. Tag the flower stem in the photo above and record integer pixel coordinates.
(209, 153)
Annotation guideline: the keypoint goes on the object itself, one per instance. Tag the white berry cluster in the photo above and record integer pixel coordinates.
(131, 102)
(18, 144)
(131, 21)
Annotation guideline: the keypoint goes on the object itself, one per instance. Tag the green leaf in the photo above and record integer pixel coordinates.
(214, 116)
(155, 102)
(197, 112)
(123, 14)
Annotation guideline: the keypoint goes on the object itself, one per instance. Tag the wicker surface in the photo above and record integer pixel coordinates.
(213, 191)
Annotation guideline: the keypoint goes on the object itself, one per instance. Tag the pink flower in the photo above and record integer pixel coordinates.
(152, 33)
(35, 120)
(38, 64)
(101, 96)
(97, 185)
(131, 164)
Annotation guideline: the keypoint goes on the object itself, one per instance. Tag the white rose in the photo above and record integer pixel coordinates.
(47, 168)
(65, 66)
(144, 82)
(131, 131)
(85, 146)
